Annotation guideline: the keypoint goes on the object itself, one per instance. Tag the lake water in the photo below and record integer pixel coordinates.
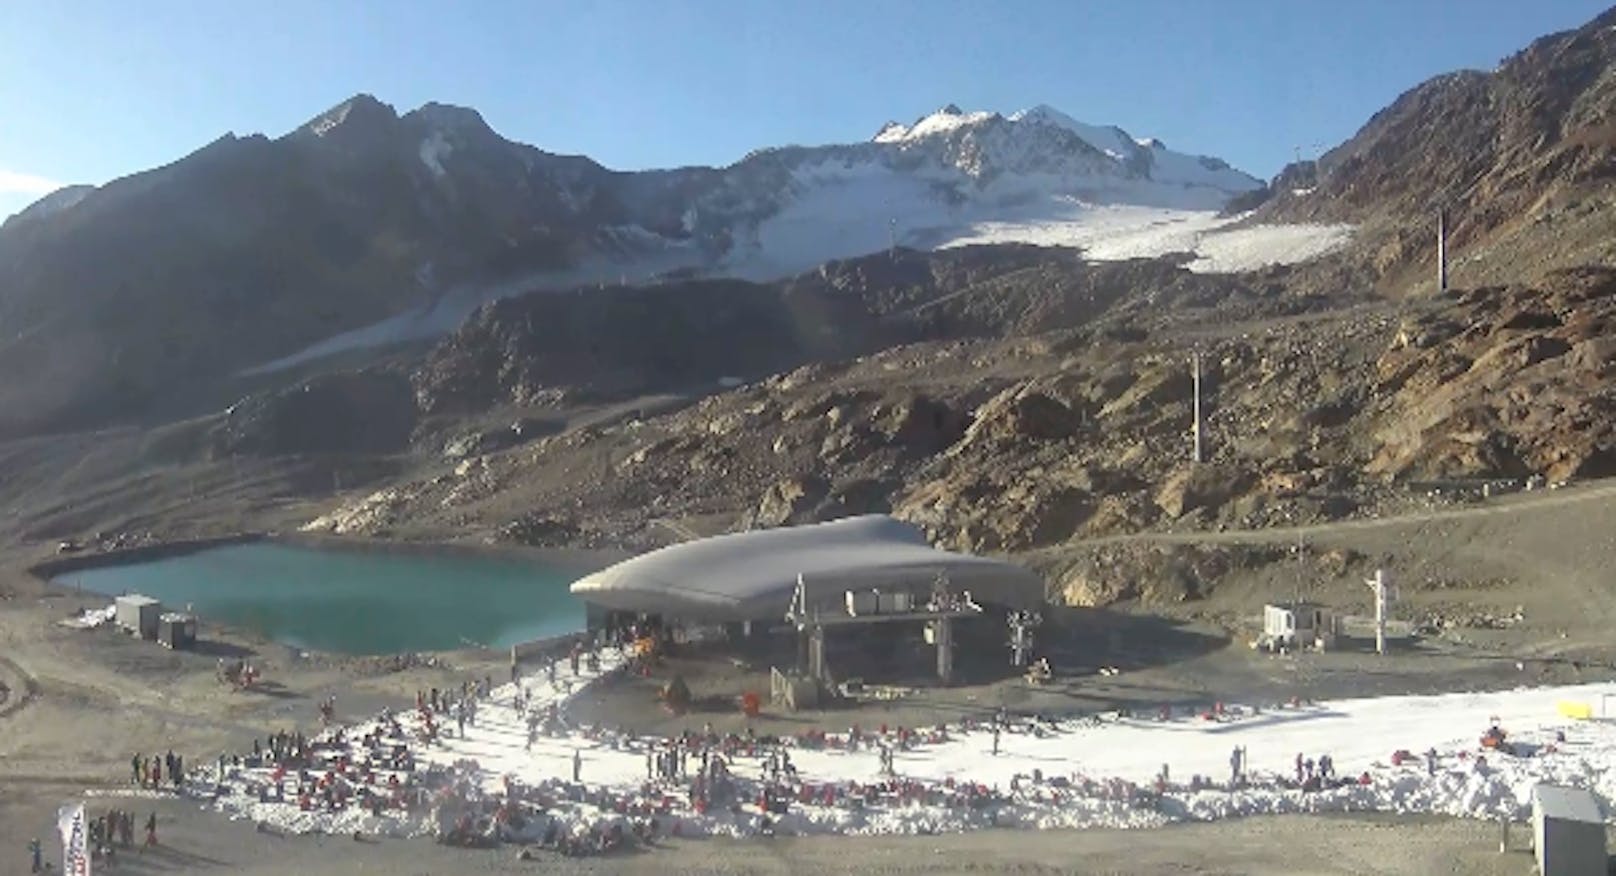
(353, 601)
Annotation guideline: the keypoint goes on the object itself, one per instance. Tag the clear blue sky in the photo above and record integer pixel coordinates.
(90, 91)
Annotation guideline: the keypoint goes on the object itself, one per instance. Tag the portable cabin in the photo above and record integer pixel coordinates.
(1299, 625)
(138, 614)
(1568, 833)
(177, 631)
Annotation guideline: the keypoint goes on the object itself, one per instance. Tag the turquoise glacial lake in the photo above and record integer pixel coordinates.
(356, 601)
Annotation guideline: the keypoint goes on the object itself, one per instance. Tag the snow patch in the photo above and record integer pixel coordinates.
(323, 125)
(1116, 233)
(1247, 249)
(434, 149)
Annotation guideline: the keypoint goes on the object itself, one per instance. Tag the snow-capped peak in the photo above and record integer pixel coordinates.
(1109, 139)
(949, 118)
(323, 125)
(362, 111)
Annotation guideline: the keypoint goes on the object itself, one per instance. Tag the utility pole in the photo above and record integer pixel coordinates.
(892, 238)
(1441, 250)
(1383, 597)
(1301, 553)
(1195, 365)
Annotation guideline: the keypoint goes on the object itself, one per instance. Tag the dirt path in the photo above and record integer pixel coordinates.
(1520, 503)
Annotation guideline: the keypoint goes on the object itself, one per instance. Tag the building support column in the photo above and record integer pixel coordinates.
(944, 633)
(816, 654)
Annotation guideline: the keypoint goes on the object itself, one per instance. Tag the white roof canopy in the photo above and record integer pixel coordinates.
(752, 575)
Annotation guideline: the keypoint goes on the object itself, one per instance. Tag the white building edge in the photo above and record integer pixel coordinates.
(751, 576)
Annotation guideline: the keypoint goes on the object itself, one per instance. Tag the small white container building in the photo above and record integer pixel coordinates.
(138, 614)
(1293, 625)
(1568, 833)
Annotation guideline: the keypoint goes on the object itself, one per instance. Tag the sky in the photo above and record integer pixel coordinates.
(91, 90)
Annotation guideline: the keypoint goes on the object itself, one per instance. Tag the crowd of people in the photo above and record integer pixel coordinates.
(410, 766)
(105, 834)
(148, 772)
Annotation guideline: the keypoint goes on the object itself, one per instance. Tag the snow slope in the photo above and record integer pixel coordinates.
(1100, 771)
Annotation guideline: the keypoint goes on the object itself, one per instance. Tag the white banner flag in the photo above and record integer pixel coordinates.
(75, 839)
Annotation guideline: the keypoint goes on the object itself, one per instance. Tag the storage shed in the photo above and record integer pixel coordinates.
(139, 614)
(177, 631)
(1568, 833)
(1299, 625)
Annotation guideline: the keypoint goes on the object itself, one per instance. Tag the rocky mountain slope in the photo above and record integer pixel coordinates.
(1031, 442)
(1522, 157)
(253, 249)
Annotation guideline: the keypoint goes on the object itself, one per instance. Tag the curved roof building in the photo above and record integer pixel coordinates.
(752, 575)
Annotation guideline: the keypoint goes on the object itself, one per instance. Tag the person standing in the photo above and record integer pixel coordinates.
(151, 829)
(577, 765)
(35, 851)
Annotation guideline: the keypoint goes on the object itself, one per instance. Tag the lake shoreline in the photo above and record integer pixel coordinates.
(53, 576)
(582, 559)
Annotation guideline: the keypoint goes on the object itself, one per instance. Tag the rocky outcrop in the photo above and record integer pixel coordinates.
(790, 501)
(1524, 389)
(1204, 486)
(1157, 574)
(361, 412)
(622, 342)
(1021, 413)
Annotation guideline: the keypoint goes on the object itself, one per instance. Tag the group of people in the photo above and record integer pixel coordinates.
(148, 772)
(1307, 769)
(283, 746)
(105, 834)
(239, 673)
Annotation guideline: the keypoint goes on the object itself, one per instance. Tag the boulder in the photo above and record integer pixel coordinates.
(921, 425)
(973, 513)
(789, 501)
(1022, 413)
(1093, 589)
(1207, 485)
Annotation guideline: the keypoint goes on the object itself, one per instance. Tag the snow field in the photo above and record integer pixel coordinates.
(1092, 772)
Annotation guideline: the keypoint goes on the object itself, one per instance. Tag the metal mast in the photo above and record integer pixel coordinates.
(1195, 364)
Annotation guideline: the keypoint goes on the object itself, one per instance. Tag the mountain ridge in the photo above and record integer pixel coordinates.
(1523, 158)
(253, 247)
